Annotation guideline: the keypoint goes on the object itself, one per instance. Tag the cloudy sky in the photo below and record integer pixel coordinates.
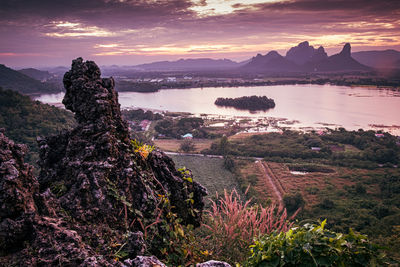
(128, 32)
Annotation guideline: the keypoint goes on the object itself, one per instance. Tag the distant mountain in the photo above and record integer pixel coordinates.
(36, 74)
(304, 58)
(189, 64)
(60, 70)
(385, 59)
(17, 81)
(271, 62)
(337, 63)
(304, 53)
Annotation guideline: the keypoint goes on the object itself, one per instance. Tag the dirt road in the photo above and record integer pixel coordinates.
(271, 182)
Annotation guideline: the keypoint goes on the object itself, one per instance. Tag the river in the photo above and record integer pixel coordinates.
(314, 106)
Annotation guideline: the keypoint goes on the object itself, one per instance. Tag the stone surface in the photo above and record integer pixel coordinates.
(17, 189)
(213, 263)
(144, 261)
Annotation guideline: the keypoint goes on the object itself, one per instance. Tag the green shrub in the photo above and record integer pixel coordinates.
(293, 202)
(312, 245)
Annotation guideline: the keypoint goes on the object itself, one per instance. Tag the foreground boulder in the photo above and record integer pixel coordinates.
(97, 194)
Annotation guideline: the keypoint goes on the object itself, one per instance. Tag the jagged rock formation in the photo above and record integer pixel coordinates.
(304, 53)
(93, 191)
(95, 163)
(271, 62)
(304, 58)
(17, 187)
(339, 62)
(26, 238)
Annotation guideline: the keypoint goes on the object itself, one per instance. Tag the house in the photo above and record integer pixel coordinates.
(145, 124)
(379, 135)
(187, 136)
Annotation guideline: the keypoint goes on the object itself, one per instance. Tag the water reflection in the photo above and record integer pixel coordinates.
(311, 105)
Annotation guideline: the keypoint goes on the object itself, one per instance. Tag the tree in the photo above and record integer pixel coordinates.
(187, 145)
(224, 145)
(229, 164)
(293, 202)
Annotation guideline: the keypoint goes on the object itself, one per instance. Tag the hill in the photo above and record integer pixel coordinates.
(271, 62)
(36, 74)
(304, 53)
(24, 119)
(338, 63)
(189, 64)
(17, 81)
(378, 59)
(304, 58)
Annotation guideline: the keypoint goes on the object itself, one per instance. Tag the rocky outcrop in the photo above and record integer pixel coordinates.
(95, 165)
(17, 189)
(26, 238)
(304, 53)
(338, 63)
(271, 62)
(96, 193)
(213, 264)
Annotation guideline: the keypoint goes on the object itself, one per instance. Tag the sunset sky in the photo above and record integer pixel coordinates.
(128, 32)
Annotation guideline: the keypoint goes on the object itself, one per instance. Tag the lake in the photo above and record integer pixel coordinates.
(314, 106)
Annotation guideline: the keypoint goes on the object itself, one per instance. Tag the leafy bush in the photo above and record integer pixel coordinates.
(293, 202)
(187, 146)
(229, 163)
(312, 245)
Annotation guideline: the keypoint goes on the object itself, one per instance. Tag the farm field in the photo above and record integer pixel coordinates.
(209, 172)
(361, 199)
(173, 145)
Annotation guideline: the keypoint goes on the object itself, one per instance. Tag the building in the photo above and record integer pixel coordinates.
(145, 124)
(187, 136)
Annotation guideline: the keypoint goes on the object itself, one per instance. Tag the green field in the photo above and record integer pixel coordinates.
(209, 172)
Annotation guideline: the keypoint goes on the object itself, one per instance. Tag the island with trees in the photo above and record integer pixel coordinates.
(252, 103)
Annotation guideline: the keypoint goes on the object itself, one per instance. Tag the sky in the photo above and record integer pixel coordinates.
(38, 33)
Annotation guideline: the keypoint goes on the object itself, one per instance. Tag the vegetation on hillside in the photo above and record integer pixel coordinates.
(140, 114)
(176, 128)
(367, 150)
(252, 103)
(313, 245)
(17, 81)
(24, 120)
(248, 235)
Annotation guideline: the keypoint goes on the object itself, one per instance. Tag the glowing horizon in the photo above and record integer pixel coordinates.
(135, 32)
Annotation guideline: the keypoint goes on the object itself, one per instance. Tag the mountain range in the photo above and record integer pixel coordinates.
(190, 65)
(300, 59)
(305, 58)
